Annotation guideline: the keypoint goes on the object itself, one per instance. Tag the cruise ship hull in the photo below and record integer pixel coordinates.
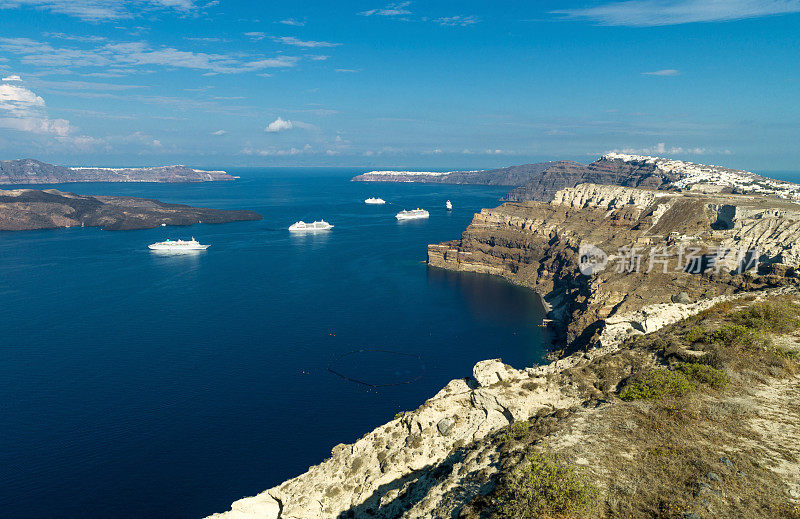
(177, 248)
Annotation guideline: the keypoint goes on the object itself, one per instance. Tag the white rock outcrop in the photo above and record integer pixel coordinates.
(381, 474)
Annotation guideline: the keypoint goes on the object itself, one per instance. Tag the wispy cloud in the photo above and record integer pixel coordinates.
(457, 21)
(402, 11)
(661, 149)
(348, 70)
(276, 152)
(293, 22)
(255, 35)
(137, 54)
(102, 10)
(647, 13)
(664, 73)
(219, 132)
(308, 44)
(395, 9)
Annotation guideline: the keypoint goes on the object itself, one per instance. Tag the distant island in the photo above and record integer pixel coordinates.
(540, 182)
(29, 209)
(30, 171)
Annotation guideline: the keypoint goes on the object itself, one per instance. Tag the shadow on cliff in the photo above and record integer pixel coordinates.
(395, 498)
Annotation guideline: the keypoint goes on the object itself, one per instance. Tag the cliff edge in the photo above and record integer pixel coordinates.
(676, 393)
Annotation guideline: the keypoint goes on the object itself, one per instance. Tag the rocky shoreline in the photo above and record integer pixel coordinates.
(437, 460)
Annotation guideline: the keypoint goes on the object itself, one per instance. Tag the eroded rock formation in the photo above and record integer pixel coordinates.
(644, 240)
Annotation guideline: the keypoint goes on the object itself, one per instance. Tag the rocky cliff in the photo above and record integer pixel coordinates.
(607, 171)
(647, 247)
(510, 176)
(29, 171)
(541, 181)
(458, 454)
(451, 457)
(27, 209)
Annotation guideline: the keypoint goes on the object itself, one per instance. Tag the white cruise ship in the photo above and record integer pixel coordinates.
(375, 201)
(302, 226)
(448, 205)
(178, 245)
(412, 215)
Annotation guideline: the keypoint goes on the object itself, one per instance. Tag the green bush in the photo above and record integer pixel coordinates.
(728, 333)
(655, 384)
(515, 431)
(776, 316)
(544, 487)
(695, 335)
(705, 374)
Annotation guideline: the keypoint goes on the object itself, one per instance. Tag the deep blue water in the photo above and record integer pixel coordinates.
(139, 385)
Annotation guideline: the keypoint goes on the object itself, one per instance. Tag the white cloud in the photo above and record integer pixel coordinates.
(661, 149)
(139, 53)
(457, 21)
(13, 77)
(219, 132)
(664, 73)
(317, 57)
(278, 125)
(23, 110)
(648, 13)
(276, 152)
(308, 44)
(256, 36)
(292, 21)
(102, 10)
(395, 9)
(401, 11)
(348, 70)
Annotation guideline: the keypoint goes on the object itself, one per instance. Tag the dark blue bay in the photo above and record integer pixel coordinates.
(138, 385)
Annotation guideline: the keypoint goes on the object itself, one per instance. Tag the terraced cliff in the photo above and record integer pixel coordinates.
(653, 246)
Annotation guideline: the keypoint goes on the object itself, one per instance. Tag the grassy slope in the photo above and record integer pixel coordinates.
(700, 419)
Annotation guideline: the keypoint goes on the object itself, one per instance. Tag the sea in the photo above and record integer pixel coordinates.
(135, 384)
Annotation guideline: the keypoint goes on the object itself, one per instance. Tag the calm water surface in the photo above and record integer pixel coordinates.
(139, 385)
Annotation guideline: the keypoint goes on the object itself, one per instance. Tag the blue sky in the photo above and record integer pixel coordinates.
(408, 84)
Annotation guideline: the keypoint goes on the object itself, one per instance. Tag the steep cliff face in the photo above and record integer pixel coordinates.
(643, 246)
(607, 171)
(510, 176)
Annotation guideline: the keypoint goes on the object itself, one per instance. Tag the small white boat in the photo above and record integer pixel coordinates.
(178, 245)
(449, 205)
(302, 226)
(375, 201)
(412, 215)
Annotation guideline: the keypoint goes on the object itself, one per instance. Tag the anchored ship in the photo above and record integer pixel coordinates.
(375, 201)
(449, 205)
(302, 226)
(412, 215)
(178, 245)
